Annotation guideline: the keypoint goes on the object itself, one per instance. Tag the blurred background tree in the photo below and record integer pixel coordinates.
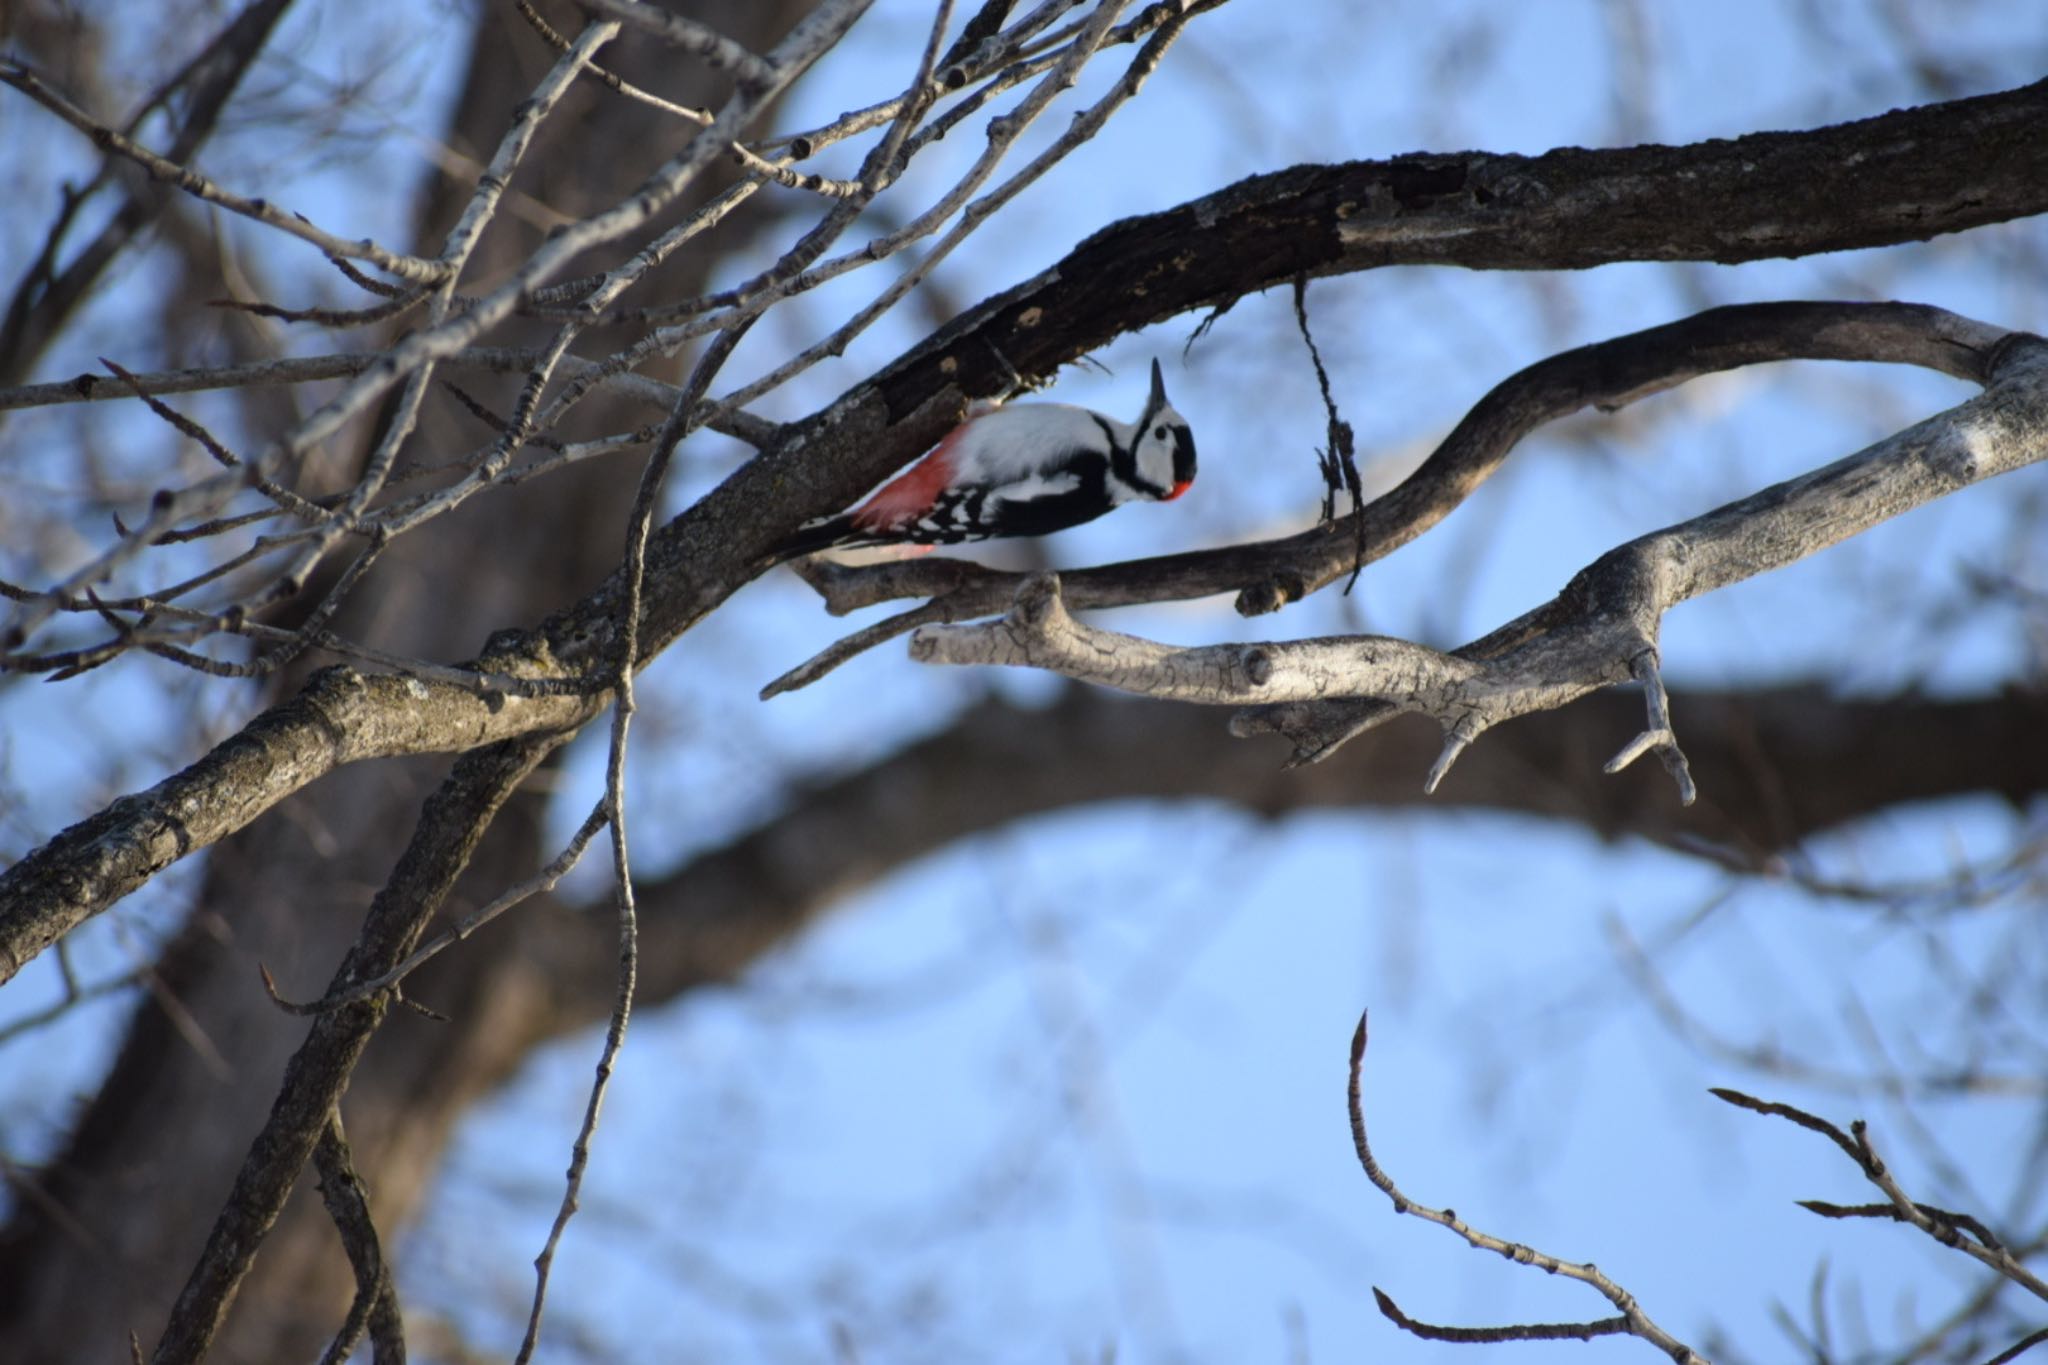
(1002, 1017)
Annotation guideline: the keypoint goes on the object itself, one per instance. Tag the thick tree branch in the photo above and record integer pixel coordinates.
(341, 716)
(449, 829)
(1902, 176)
(715, 917)
(1958, 165)
(1602, 629)
(1268, 575)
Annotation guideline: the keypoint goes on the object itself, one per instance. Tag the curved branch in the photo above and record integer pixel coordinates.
(1602, 629)
(1902, 176)
(1607, 375)
(1960, 1231)
(712, 919)
(1633, 1321)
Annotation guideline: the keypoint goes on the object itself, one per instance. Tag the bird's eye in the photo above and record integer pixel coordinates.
(1159, 432)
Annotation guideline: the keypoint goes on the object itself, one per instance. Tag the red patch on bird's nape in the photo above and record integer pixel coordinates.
(910, 494)
(1183, 486)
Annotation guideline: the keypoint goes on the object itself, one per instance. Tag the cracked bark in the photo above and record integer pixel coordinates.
(1601, 629)
(1268, 575)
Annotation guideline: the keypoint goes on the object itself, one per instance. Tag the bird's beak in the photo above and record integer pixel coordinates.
(1158, 398)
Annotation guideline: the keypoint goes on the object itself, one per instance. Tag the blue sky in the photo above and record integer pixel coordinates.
(1079, 1083)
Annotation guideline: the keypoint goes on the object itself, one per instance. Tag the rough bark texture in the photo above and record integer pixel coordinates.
(156, 1152)
(1603, 628)
(1268, 575)
(1946, 167)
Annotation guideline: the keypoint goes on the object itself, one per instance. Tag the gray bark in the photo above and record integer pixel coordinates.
(157, 1153)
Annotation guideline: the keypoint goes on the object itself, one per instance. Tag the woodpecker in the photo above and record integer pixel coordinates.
(1024, 470)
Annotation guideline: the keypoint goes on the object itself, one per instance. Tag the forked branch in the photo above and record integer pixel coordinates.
(1601, 630)
(1268, 575)
(1632, 1320)
(1958, 1230)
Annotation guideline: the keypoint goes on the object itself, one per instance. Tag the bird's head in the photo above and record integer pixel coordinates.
(1163, 451)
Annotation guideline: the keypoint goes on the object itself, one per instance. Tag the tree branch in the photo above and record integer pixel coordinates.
(711, 920)
(1947, 1228)
(341, 716)
(199, 187)
(44, 297)
(376, 1301)
(1633, 1320)
(450, 826)
(90, 865)
(1602, 629)
(1268, 575)
(1901, 176)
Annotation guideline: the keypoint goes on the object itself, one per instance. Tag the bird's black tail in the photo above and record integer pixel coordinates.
(812, 537)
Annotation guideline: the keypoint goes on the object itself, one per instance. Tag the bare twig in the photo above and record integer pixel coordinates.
(395, 306)
(610, 81)
(207, 498)
(1338, 461)
(682, 418)
(1526, 1331)
(1960, 1232)
(92, 388)
(427, 346)
(2019, 1348)
(539, 884)
(199, 187)
(1633, 1320)
(816, 667)
(698, 39)
(1001, 134)
(193, 98)
(286, 500)
(1657, 735)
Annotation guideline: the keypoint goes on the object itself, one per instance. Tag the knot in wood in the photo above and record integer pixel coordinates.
(1038, 599)
(1262, 599)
